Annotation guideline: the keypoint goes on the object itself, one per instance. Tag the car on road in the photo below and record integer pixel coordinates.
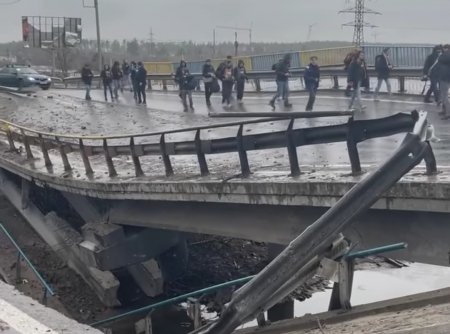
(23, 78)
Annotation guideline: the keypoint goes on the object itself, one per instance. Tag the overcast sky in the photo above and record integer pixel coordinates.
(403, 21)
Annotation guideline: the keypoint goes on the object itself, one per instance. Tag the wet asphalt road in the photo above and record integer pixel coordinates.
(65, 112)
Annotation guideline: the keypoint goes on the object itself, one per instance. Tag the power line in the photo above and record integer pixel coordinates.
(11, 2)
(360, 10)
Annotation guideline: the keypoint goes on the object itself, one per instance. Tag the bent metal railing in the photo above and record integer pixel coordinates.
(352, 132)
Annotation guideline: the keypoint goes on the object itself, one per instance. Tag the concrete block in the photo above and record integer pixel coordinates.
(144, 326)
(105, 235)
(148, 277)
(87, 250)
(105, 285)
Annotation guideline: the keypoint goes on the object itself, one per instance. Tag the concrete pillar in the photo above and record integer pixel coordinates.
(258, 85)
(401, 83)
(285, 309)
(148, 277)
(335, 82)
(164, 85)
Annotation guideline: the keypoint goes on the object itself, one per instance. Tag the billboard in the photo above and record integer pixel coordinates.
(51, 32)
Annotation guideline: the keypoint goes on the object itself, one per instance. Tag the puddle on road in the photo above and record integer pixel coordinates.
(376, 285)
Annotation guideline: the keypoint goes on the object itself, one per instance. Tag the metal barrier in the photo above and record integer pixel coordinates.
(351, 132)
(21, 255)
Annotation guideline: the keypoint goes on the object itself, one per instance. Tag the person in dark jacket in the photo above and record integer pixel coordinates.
(282, 77)
(312, 78)
(106, 76)
(356, 75)
(444, 80)
(431, 72)
(117, 78)
(86, 77)
(383, 68)
(184, 79)
(225, 74)
(209, 76)
(240, 75)
(366, 79)
(141, 83)
(126, 72)
(347, 61)
(133, 74)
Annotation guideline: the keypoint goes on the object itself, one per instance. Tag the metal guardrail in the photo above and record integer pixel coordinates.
(21, 255)
(401, 74)
(352, 132)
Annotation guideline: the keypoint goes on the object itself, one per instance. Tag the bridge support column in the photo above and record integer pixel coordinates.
(285, 309)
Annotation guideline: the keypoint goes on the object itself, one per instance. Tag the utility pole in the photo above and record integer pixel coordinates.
(151, 41)
(99, 45)
(236, 29)
(214, 43)
(359, 10)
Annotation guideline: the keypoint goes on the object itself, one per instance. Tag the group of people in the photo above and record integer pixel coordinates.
(437, 70)
(230, 76)
(119, 77)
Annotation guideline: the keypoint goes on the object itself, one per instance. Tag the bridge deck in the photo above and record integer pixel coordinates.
(326, 171)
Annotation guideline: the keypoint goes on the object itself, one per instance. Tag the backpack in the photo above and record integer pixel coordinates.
(220, 70)
(191, 83)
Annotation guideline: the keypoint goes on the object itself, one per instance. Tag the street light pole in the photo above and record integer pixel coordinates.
(99, 46)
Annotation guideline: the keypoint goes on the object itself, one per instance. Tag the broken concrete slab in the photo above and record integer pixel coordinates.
(148, 276)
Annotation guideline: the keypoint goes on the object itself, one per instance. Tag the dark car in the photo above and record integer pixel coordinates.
(23, 77)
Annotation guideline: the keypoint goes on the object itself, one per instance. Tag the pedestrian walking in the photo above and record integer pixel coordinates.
(383, 68)
(117, 78)
(186, 83)
(133, 76)
(126, 79)
(282, 77)
(86, 77)
(366, 79)
(312, 78)
(141, 83)
(274, 68)
(347, 61)
(106, 76)
(209, 79)
(444, 80)
(240, 75)
(431, 72)
(356, 73)
(225, 74)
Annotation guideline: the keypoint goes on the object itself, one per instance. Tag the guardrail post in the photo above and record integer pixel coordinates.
(430, 161)
(292, 150)
(164, 82)
(84, 156)
(245, 168)
(149, 84)
(44, 296)
(165, 156)
(200, 155)
(352, 148)
(335, 82)
(193, 310)
(342, 291)
(47, 160)
(64, 158)
(26, 143)
(401, 83)
(111, 170)
(12, 147)
(135, 157)
(25, 193)
(258, 85)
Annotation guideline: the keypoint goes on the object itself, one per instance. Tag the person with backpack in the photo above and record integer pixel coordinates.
(240, 75)
(312, 78)
(86, 77)
(347, 61)
(126, 71)
(209, 79)
(117, 78)
(106, 76)
(356, 75)
(444, 80)
(225, 74)
(282, 72)
(383, 68)
(141, 83)
(186, 83)
(431, 72)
